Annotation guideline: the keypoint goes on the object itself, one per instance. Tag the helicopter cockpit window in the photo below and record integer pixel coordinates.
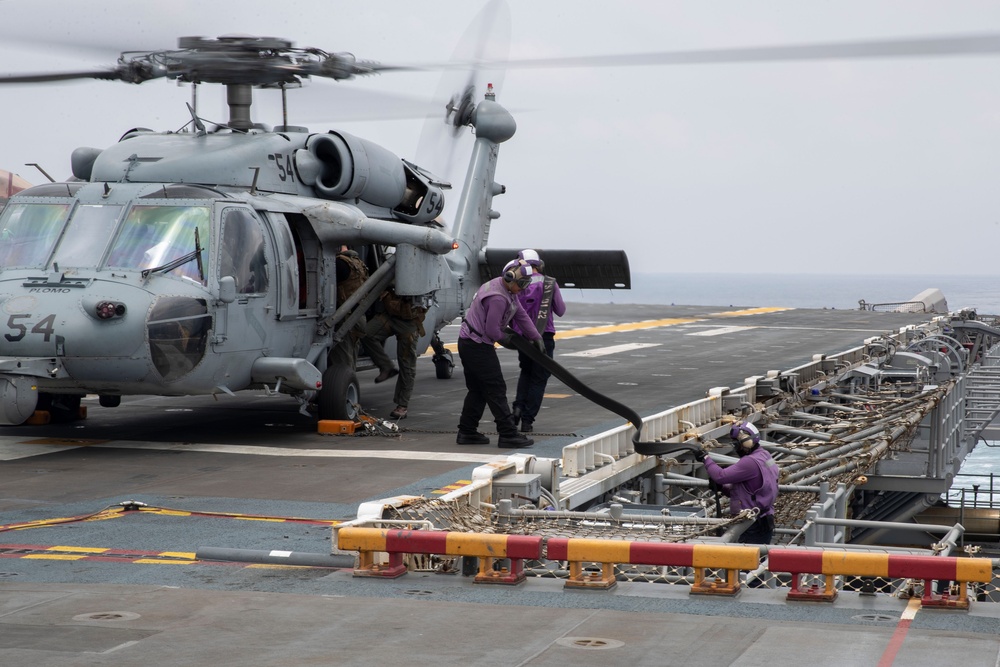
(53, 190)
(86, 236)
(153, 236)
(183, 191)
(28, 233)
(242, 252)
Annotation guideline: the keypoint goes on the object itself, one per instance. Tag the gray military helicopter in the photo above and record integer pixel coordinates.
(204, 261)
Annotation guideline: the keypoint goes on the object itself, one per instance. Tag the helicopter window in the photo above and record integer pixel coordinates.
(87, 235)
(28, 232)
(242, 252)
(183, 191)
(153, 236)
(178, 332)
(53, 190)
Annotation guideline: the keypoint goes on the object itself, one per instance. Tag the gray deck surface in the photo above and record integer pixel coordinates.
(256, 455)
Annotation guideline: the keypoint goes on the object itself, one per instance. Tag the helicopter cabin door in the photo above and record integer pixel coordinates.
(246, 255)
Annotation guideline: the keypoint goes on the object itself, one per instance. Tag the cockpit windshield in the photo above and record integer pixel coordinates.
(87, 235)
(154, 236)
(28, 233)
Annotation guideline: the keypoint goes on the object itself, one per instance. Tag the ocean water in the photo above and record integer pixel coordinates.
(837, 291)
(795, 290)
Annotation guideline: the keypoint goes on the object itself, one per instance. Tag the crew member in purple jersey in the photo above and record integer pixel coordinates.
(493, 308)
(540, 301)
(750, 482)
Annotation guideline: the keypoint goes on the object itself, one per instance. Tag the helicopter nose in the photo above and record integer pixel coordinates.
(178, 329)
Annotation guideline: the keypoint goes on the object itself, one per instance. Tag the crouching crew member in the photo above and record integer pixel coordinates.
(750, 482)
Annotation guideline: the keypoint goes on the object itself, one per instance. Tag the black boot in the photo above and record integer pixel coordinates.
(516, 414)
(474, 438)
(514, 441)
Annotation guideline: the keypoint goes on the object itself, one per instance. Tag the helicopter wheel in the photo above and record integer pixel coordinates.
(340, 396)
(61, 407)
(110, 400)
(443, 365)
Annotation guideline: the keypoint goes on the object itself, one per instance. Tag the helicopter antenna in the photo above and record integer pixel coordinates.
(39, 168)
(253, 186)
(200, 126)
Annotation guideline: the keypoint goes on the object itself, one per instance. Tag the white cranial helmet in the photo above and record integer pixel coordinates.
(531, 257)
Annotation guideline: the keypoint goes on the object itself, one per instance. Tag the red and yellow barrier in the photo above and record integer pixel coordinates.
(896, 566)
(578, 551)
(487, 547)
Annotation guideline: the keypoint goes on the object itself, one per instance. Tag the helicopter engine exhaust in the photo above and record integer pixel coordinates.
(346, 167)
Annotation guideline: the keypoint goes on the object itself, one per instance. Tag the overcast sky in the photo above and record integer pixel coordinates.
(865, 166)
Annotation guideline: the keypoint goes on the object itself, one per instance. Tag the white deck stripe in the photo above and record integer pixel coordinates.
(614, 349)
(10, 448)
(718, 331)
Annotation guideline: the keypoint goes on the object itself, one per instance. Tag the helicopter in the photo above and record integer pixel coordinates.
(203, 261)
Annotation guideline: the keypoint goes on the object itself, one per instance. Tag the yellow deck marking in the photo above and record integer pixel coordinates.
(155, 561)
(177, 554)
(645, 324)
(85, 550)
(165, 512)
(625, 326)
(557, 395)
(55, 556)
(452, 487)
(749, 311)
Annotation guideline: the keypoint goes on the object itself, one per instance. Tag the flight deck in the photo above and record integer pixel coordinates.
(112, 509)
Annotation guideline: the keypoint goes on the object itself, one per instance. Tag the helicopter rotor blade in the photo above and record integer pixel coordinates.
(957, 45)
(486, 40)
(135, 71)
(55, 76)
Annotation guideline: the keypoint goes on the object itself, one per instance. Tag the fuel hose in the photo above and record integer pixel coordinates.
(522, 344)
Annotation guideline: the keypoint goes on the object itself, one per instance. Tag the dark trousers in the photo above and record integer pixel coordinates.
(484, 380)
(407, 333)
(532, 380)
(760, 532)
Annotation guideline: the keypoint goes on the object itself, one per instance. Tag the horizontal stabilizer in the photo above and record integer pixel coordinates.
(582, 269)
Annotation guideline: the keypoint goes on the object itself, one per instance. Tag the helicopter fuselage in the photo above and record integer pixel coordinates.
(204, 263)
(173, 289)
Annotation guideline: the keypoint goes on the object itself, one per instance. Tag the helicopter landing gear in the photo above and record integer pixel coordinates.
(340, 396)
(444, 364)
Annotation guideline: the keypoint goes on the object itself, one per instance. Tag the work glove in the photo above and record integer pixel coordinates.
(507, 340)
(538, 345)
(703, 447)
